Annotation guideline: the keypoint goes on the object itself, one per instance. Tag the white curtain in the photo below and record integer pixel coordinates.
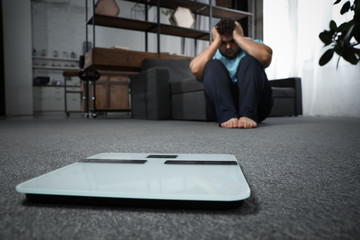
(291, 29)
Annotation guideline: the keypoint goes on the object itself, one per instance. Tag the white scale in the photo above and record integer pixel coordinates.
(145, 176)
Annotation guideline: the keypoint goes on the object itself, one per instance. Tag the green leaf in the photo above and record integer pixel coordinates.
(339, 50)
(326, 37)
(345, 8)
(356, 7)
(326, 57)
(333, 25)
(350, 56)
(337, 1)
(356, 32)
(344, 27)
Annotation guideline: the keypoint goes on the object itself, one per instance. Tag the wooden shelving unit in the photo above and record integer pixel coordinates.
(137, 25)
(158, 28)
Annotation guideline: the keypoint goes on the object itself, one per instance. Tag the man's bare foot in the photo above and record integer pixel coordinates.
(245, 122)
(231, 123)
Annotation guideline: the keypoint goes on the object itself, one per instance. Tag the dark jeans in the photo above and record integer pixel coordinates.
(251, 96)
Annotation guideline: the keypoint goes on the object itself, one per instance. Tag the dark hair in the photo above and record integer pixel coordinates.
(225, 26)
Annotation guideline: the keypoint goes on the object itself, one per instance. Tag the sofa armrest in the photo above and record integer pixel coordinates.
(295, 83)
(150, 94)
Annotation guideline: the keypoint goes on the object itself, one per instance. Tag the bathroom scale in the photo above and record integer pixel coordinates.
(142, 178)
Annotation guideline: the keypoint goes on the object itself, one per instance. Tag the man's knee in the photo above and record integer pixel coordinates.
(251, 61)
(214, 72)
(214, 65)
(250, 67)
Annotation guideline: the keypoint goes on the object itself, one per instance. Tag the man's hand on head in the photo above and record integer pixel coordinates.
(238, 30)
(216, 35)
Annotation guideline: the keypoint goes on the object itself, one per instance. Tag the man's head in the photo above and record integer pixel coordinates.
(228, 47)
(225, 26)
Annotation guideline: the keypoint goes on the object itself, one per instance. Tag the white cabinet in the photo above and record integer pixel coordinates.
(49, 99)
(73, 99)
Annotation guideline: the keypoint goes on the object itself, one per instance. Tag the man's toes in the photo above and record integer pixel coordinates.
(231, 123)
(251, 125)
(245, 122)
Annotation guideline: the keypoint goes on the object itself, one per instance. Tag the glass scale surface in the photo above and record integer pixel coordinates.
(145, 176)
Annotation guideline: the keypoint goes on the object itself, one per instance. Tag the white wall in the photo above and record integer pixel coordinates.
(291, 28)
(17, 57)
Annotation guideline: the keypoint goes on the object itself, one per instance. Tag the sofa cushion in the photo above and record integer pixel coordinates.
(283, 107)
(178, 68)
(187, 85)
(283, 92)
(189, 106)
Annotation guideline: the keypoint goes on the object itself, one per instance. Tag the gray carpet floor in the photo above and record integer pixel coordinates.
(304, 174)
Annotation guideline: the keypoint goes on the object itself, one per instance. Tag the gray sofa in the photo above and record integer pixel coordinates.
(166, 89)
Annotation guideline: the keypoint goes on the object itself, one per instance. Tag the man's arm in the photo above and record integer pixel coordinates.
(259, 51)
(198, 63)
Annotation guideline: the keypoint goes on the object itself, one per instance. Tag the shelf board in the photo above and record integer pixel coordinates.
(131, 24)
(48, 86)
(55, 68)
(56, 59)
(220, 12)
(71, 73)
(66, 91)
(107, 59)
(199, 8)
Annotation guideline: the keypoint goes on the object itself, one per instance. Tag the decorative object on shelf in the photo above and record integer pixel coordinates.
(182, 17)
(138, 12)
(107, 7)
(167, 11)
(56, 82)
(43, 53)
(34, 53)
(65, 54)
(55, 54)
(73, 55)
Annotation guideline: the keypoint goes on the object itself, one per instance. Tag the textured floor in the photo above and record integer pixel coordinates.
(303, 173)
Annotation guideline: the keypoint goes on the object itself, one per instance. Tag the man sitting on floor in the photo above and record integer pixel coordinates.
(232, 67)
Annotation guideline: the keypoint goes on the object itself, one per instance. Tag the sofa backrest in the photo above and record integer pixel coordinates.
(178, 68)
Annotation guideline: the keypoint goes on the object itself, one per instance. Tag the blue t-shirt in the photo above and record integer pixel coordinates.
(232, 64)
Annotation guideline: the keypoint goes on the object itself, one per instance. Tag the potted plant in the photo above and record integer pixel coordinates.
(343, 39)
